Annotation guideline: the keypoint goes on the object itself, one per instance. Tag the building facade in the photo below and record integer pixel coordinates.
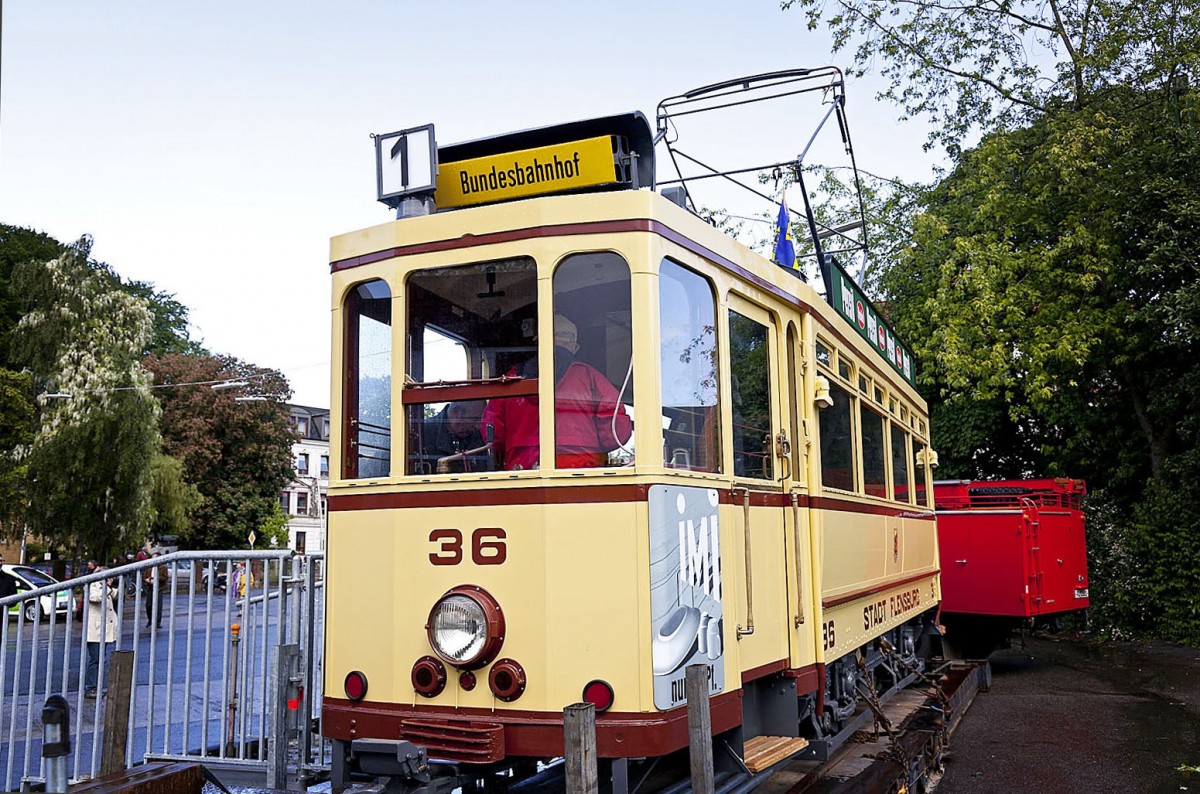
(303, 500)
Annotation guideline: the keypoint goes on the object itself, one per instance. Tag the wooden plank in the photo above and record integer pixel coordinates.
(699, 728)
(579, 749)
(116, 713)
(763, 752)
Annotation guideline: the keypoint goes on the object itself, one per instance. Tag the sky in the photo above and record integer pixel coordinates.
(214, 148)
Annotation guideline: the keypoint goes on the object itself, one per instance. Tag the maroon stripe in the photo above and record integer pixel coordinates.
(592, 494)
(471, 240)
(605, 227)
(834, 602)
(764, 670)
(808, 679)
(848, 506)
(534, 733)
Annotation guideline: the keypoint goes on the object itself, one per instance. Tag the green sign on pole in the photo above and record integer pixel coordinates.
(850, 302)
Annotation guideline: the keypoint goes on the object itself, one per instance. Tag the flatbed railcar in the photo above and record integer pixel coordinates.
(769, 515)
(1014, 554)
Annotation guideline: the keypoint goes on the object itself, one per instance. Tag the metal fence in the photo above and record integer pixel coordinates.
(227, 651)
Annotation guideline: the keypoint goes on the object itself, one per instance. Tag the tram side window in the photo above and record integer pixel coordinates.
(749, 365)
(919, 481)
(466, 324)
(688, 357)
(874, 466)
(593, 354)
(368, 381)
(837, 441)
(900, 463)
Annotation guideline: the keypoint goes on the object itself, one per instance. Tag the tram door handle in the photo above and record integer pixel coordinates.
(783, 451)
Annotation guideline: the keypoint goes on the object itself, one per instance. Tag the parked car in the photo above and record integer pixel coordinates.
(29, 578)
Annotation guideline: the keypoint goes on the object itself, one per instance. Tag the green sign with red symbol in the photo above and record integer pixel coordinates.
(850, 302)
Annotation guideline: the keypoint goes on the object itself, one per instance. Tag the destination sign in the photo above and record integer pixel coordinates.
(530, 172)
(857, 309)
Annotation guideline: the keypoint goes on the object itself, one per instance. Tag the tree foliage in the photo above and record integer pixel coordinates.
(1051, 280)
(985, 65)
(236, 453)
(88, 467)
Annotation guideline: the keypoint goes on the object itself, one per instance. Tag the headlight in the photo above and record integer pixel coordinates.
(466, 627)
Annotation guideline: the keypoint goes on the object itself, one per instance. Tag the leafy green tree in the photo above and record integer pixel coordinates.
(237, 453)
(172, 497)
(982, 65)
(88, 467)
(18, 419)
(274, 528)
(1050, 284)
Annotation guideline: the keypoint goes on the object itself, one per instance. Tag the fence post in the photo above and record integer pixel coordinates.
(116, 712)
(699, 728)
(579, 749)
(235, 631)
(283, 662)
(56, 742)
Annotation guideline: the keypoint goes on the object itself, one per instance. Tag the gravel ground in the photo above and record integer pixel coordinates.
(1077, 716)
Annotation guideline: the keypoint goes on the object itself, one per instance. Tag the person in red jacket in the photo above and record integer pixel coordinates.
(589, 420)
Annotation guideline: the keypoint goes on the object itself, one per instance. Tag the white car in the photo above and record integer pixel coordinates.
(30, 579)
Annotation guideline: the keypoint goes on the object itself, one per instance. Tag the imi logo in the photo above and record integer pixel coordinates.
(699, 555)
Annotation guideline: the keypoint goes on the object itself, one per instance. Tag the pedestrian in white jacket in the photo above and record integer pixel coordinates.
(101, 629)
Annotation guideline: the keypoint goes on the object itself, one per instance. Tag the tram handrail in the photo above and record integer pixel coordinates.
(749, 628)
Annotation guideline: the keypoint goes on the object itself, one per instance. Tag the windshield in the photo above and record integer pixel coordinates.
(35, 577)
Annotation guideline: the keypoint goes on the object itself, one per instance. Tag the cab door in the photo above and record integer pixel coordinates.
(758, 509)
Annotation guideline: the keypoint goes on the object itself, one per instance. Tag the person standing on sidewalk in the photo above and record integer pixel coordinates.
(153, 595)
(101, 629)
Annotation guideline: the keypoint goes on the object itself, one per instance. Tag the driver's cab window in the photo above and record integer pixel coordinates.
(471, 336)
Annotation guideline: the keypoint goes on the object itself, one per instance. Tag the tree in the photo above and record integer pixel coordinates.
(88, 467)
(173, 499)
(238, 454)
(1051, 284)
(985, 65)
(17, 426)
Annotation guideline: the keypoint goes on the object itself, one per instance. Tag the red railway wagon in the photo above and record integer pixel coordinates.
(1011, 551)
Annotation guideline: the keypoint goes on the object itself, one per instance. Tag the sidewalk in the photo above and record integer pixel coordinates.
(1076, 716)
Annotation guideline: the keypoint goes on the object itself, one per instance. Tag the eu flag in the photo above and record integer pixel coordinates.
(785, 251)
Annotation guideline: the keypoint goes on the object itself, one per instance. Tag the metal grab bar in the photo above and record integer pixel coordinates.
(749, 628)
(799, 567)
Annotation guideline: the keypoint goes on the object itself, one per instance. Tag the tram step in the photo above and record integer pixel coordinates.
(766, 751)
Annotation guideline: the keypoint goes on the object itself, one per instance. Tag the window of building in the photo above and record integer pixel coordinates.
(593, 353)
(873, 452)
(285, 502)
(324, 466)
(368, 381)
(900, 478)
(837, 441)
(688, 357)
(750, 370)
(301, 423)
(302, 504)
(301, 542)
(302, 463)
(472, 324)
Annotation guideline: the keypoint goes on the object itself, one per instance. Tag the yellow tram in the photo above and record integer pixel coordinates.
(724, 469)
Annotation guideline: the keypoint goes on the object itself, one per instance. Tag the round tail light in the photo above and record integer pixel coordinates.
(429, 676)
(466, 627)
(599, 694)
(355, 685)
(507, 680)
